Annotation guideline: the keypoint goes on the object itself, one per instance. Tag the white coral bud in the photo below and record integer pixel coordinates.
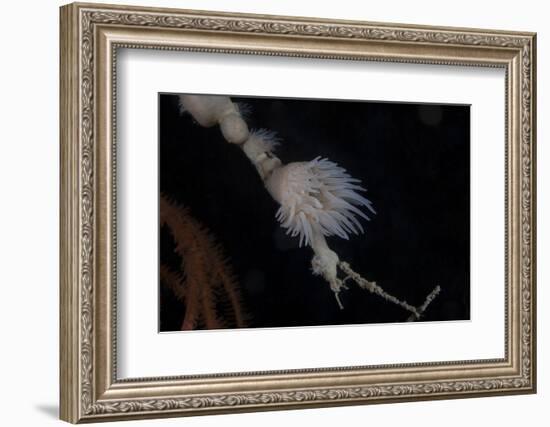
(259, 149)
(234, 128)
(317, 197)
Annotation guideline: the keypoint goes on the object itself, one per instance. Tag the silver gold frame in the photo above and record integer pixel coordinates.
(90, 36)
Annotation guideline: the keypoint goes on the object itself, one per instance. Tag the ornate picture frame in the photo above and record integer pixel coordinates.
(91, 34)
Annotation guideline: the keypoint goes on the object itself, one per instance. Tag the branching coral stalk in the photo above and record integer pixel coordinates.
(374, 288)
(317, 198)
(432, 295)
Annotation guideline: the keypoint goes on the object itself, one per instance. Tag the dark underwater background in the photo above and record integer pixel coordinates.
(412, 158)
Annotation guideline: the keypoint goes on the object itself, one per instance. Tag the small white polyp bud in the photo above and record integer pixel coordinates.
(325, 263)
(234, 128)
(259, 149)
(325, 260)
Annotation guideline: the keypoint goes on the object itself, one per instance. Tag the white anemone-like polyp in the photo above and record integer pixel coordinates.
(317, 197)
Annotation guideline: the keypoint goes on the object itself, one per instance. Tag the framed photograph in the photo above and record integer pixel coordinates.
(267, 212)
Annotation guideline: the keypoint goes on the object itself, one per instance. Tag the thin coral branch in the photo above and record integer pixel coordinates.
(208, 302)
(173, 281)
(374, 288)
(206, 281)
(229, 285)
(432, 295)
(193, 314)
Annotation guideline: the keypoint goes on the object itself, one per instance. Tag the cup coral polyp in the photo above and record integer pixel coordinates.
(317, 197)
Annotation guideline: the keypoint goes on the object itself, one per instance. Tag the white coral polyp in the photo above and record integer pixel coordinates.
(317, 197)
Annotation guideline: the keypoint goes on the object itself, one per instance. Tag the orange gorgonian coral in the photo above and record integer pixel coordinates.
(205, 282)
